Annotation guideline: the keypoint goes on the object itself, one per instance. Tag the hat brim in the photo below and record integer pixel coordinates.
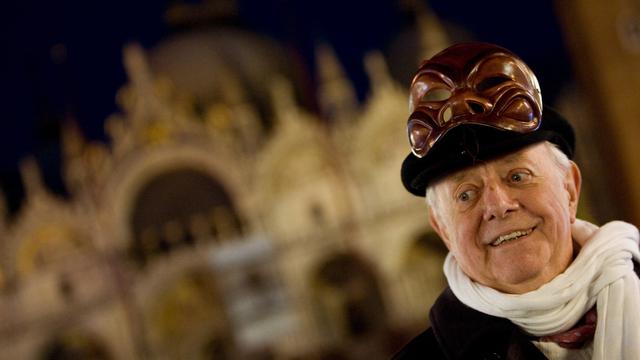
(467, 145)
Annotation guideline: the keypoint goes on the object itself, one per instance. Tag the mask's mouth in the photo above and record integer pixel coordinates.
(512, 236)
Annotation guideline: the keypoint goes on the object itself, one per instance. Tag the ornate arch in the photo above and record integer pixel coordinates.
(349, 299)
(182, 310)
(300, 172)
(75, 344)
(131, 177)
(48, 233)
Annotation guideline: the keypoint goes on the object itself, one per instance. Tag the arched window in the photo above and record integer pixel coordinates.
(179, 208)
(75, 345)
(350, 301)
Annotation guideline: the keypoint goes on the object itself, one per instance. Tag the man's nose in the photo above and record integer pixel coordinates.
(498, 202)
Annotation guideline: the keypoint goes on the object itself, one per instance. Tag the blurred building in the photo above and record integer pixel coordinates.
(224, 220)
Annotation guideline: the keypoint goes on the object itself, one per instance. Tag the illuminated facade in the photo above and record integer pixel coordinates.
(223, 220)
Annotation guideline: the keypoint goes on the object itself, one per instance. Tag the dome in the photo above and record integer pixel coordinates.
(222, 65)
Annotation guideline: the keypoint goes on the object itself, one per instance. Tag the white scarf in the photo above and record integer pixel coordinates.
(602, 272)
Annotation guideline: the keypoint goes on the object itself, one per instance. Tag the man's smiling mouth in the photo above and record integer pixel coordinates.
(512, 236)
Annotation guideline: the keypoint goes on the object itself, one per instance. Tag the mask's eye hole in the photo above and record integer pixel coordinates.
(492, 81)
(437, 95)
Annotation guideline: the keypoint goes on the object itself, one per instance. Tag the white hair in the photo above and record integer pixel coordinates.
(559, 158)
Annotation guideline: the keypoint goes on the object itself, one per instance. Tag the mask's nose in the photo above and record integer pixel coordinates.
(465, 103)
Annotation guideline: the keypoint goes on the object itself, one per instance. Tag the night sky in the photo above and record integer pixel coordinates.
(63, 59)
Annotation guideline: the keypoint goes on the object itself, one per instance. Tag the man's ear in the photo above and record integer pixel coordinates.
(573, 182)
(438, 227)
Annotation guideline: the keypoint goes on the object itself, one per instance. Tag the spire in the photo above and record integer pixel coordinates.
(73, 140)
(432, 34)
(377, 70)
(32, 179)
(336, 95)
(283, 102)
(142, 101)
(73, 146)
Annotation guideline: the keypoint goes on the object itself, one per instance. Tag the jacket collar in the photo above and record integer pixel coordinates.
(463, 331)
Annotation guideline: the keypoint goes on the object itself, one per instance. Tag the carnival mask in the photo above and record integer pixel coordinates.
(471, 83)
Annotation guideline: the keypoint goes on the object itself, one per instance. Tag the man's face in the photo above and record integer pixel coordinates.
(508, 221)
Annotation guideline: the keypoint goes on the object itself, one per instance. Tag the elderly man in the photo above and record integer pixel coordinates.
(527, 280)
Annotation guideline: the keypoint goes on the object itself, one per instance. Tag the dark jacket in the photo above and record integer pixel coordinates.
(460, 332)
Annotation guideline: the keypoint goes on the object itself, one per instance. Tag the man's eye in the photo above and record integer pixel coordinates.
(464, 196)
(519, 177)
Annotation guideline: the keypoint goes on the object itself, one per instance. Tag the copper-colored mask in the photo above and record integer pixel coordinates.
(471, 83)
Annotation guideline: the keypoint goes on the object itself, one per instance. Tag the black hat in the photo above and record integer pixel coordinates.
(469, 144)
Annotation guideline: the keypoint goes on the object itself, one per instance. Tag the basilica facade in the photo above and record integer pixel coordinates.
(223, 219)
